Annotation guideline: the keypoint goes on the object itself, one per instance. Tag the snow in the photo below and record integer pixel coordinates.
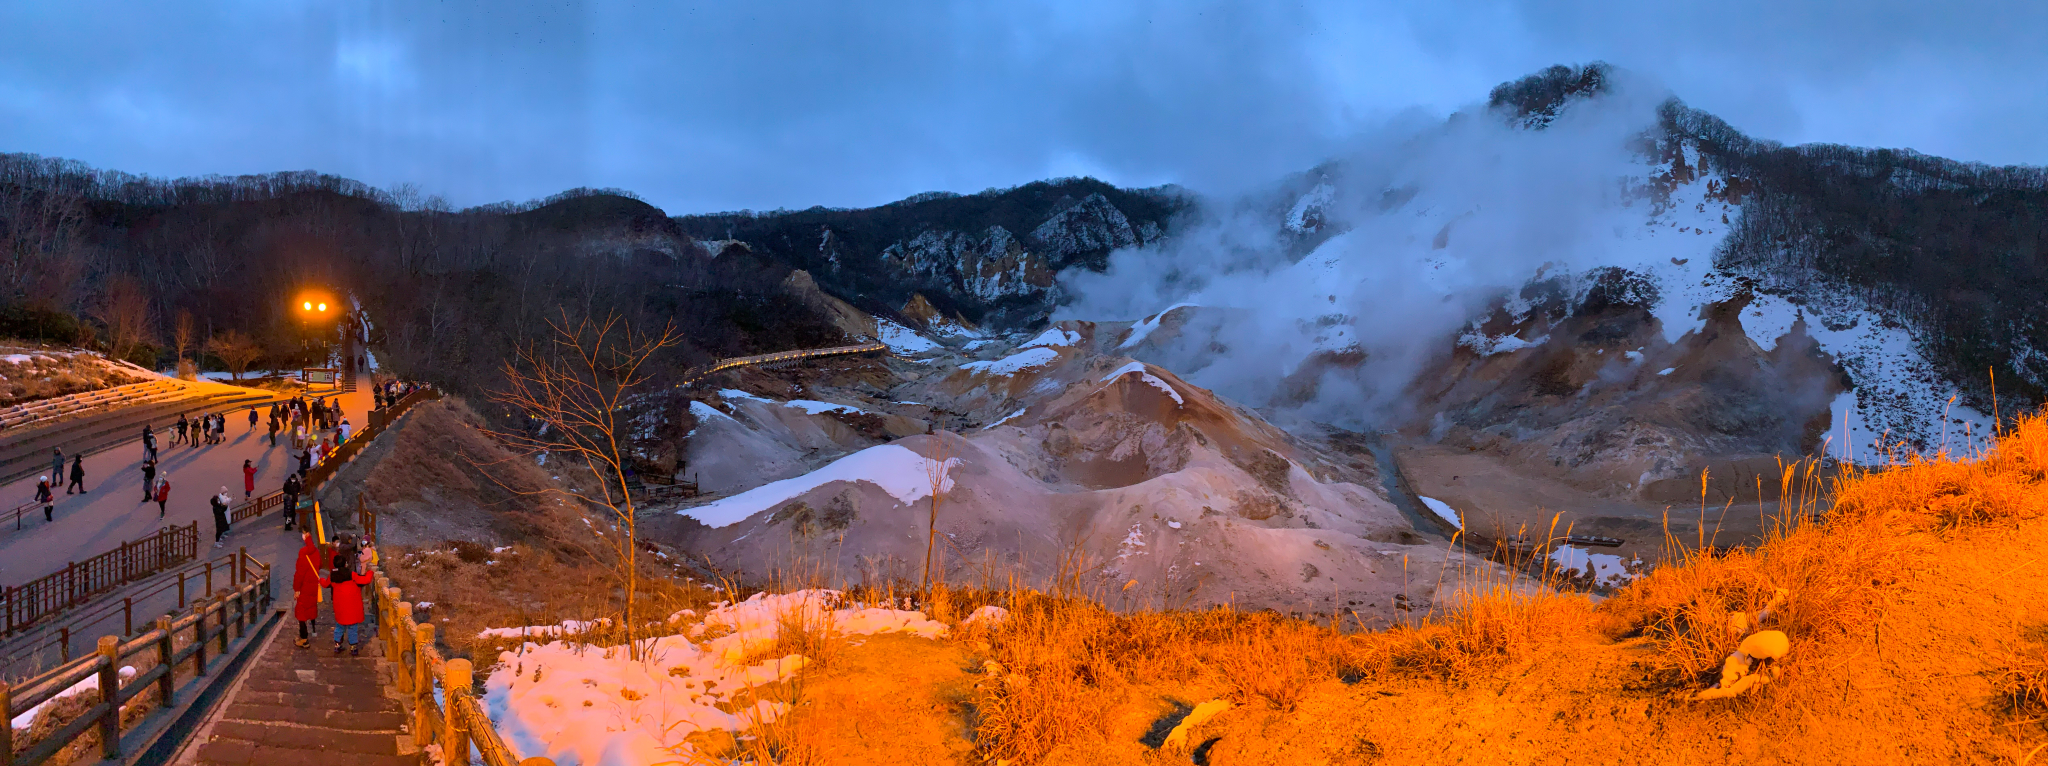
(17, 358)
(904, 474)
(977, 345)
(571, 702)
(734, 393)
(542, 631)
(900, 339)
(1443, 511)
(1505, 344)
(1006, 418)
(1144, 327)
(1036, 356)
(1604, 568)
(1146, 376)
(1054, 337)
(1667, 371)
(89, 683)
(1316, 198)
(990, 613)
(1633, 356)
(814, 407)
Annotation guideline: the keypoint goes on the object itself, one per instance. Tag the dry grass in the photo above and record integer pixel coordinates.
(51, 373)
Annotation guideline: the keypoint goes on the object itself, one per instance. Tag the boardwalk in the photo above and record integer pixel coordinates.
(308, 707)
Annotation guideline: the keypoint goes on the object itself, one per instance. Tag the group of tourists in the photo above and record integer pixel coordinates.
(206, 429)
(48, 496)
(392, 391)
(341, 574)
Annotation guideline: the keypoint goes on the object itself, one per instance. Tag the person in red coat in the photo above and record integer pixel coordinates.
(248, 478)
(306, 590)
(348, 585)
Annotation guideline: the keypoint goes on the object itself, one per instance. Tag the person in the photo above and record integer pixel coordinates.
(56, 464)
(180, 429)
(306, 590)
(46, 497)
(344, 430)
(348, 601)
(366, 561)
(163, 493)
(252, 419)
(248, 480)
(273, 432)
(148, 446)
(148, 479)
(299, 437)
(292, 488)
(77, 475)
(220, 516)
(305, 462)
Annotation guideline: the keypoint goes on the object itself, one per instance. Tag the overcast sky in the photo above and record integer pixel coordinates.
(703, 107)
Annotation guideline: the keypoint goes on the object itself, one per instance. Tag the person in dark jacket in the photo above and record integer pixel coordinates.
(220, 516)
(305, 462)
(148, 480)
(292, 488)
(56, 464)
(77, 475)
(47, 498)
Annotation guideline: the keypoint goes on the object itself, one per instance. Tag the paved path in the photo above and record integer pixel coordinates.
(309, 707)
(113, 511)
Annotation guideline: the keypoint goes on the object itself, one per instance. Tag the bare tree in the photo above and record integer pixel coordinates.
(235, 349)
(182, 336)
(935, 472)
(125, 311)
(574, 386)
(39, 239)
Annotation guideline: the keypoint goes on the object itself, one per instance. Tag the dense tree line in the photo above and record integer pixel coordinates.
(120, 262)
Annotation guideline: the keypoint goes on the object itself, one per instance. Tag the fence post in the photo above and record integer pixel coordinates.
(455, 689)
(7, 725)
(422, 682)
(64, 635)
(241, 562)
(181, 589)
(400, 617)
(110, 692)
(165, 647)
(222, 603)
(7, 605)
(199, 639)
(70, 584)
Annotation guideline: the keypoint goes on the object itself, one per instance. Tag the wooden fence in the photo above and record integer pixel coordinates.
(457, 721)
(786, 356)
(234, 611)
(379, 420)
(78, 582)
(195, 581)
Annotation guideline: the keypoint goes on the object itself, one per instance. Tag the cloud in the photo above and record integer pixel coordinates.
(772, 104)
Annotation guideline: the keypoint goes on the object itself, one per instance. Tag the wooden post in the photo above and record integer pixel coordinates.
(7, 725)
(221, 603)
(70, 584)
(422, 682)
(199, 639)
(110, 692)
(181, 589)
(164, 648)
(455, 690)
(241, 599)
(64, 636)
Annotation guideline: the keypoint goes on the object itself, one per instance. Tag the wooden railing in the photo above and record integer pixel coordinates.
(785, 356)
(234, 612)
(194, 581)
(78, 582)
(253, 508)
(456, 722)
(360, 440)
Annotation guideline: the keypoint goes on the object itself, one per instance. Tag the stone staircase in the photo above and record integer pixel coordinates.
(309, 707)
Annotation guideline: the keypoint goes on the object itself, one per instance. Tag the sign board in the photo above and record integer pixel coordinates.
(318, 375)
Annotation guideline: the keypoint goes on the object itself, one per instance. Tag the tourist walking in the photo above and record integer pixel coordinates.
(252, 419)
(148, 445)
(305, 462)
(148, 479)
(273, 429)
(220, 516)
(163, 494)
(348, 601)
(56, 464)
(248, 480)
(307, 590)
(179, 429)
(77, 475)
(47, 498)
(292, 488)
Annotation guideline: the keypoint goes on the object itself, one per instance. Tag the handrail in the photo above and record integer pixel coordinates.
(237, 610)
(39, 599)
(457, 721)
(188, 581)
(357, 442)
(781, 356)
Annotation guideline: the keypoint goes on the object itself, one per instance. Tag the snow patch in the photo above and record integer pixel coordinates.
(900, 339)
(819, 408)
(1145, 326)
(1148, 377)
(1604, 568)
(904, 474)
(1036, 356)
(1054, 337)
(1444, 511)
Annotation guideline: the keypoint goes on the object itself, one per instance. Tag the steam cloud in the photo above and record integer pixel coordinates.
(1437, 221)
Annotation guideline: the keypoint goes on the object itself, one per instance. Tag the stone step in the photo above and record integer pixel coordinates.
(354, 704)
(295, 737)
(383, 720)
(229, 752)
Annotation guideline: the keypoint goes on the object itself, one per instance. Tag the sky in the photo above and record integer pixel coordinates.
(787, 104)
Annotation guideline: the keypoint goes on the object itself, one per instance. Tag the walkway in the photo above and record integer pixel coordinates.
(113, 510)
(308, 707)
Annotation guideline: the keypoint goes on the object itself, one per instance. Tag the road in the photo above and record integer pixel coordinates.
(113, 510)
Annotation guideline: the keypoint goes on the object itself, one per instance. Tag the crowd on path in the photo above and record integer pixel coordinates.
(315, 427)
